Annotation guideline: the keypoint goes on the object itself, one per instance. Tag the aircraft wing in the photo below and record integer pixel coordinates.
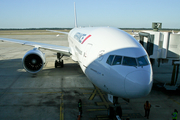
(60, 49)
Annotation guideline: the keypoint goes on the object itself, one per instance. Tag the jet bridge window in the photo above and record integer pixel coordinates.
(129, 61)
(142, 61)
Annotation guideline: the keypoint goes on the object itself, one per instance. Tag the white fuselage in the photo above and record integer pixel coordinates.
(105, 54)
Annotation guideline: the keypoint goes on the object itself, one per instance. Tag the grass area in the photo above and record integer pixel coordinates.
(29, 32)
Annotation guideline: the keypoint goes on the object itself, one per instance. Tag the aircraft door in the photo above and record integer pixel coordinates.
(86, 54)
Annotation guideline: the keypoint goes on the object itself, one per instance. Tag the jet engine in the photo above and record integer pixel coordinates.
(33, 60)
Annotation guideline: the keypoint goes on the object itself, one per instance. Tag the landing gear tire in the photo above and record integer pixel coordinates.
(113, 111)
(62, 63)
(119, 111)
(56, 64)
(59, 62)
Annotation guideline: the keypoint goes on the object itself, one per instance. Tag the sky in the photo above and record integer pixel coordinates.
(114, 13)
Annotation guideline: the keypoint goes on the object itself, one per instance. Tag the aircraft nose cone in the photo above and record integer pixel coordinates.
(138, 84)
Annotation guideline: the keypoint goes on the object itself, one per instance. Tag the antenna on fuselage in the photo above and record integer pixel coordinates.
(75, 15)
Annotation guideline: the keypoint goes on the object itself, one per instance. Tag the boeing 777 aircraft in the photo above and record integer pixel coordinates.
(112, 59)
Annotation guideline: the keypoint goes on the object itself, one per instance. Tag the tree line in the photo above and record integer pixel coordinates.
(72, 28)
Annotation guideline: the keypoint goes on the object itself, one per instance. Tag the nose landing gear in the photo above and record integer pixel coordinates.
(59, 62)
(115, 110)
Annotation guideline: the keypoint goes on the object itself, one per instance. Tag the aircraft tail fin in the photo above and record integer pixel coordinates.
(75, 16)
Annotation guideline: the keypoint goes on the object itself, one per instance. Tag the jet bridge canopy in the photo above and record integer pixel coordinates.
(160, 45)
(147, 40)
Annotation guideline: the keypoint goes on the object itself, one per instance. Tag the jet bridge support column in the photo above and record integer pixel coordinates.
(173, 85)
(175, 72)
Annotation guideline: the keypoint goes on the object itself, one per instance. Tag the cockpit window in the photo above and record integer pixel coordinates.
(117, 60)
(142, 61)
(147, 59)
(129, 61)
(110, 59)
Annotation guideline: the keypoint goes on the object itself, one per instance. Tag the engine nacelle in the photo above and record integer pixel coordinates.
(33, 60)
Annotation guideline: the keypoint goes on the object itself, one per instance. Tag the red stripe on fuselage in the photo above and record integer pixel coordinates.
(86, 39)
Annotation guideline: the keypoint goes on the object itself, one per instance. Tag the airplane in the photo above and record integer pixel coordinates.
(111, 59)
(135, 34)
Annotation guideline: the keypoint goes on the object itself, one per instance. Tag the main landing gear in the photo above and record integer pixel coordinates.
(59, 62)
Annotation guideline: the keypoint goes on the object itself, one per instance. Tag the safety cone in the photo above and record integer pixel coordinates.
(79, 116)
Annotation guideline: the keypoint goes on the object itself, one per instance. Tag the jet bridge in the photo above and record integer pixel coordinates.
(162, 47)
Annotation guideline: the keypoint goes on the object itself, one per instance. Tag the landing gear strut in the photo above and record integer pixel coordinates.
(59, 62)
(115, 110)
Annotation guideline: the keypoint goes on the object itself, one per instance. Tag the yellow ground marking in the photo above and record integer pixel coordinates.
(86, 88)
(87, 93)
(124, 116)
(90, 110)
(89, 104)
(97, 91)
(30, 92)
(102, 103)
(175, 101)
(61, 112)
(93, 94)
(102, 97)
(103, 118)
(61, 108)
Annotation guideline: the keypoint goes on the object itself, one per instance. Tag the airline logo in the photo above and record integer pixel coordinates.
(81, 38)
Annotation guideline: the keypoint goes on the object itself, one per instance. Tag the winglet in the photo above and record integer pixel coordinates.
(75, 15)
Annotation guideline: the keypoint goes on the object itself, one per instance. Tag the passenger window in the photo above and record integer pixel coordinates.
(110, 59)
(142, 61)
(117, 60)
(129, 61)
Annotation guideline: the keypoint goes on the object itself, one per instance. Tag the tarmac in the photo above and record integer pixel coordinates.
(53, 93)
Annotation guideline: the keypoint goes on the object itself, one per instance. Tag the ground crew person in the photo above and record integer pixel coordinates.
(147, 107)
(174, 115)
(80, 107)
